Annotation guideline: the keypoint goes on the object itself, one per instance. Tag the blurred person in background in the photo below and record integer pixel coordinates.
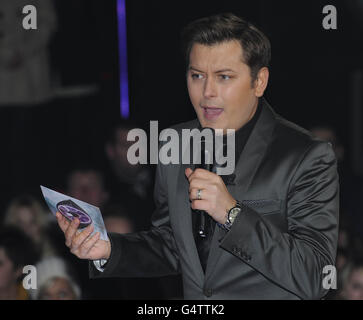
(128, 183)
(25, 90)
(343, 249)
(346, 176)
(16, 251)
(55, 281)
(117, 219)
(351, 282)
(26, 213)
(327, 133)
(87, 184)
(350, 250)
(25, 77)
(351, 186)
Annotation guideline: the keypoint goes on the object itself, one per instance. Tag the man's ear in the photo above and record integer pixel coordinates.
(261, 81)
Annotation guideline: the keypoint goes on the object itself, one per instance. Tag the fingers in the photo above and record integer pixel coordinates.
(88, 244)
(71, 231)
(79, 238)
(193, 194)
(188, 172)
(63, 223)
(201, 205)
(79, 242)
(200, 174)
(199, 184)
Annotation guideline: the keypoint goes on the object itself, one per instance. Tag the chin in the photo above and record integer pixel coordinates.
(205, 123)
(214, 125)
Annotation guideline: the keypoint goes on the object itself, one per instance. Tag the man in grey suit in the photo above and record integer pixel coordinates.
(272, 224)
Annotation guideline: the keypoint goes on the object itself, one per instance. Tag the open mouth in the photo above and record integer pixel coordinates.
(211, 113)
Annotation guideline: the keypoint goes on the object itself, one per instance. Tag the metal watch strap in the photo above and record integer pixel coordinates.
(227, 225)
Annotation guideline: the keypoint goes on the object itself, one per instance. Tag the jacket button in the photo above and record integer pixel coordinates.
(236, 250)
(208, 292)
(248, 258)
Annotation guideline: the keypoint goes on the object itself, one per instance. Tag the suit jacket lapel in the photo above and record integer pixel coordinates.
(245, 170)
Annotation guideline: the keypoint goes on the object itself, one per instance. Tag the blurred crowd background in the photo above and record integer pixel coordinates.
(61, 126)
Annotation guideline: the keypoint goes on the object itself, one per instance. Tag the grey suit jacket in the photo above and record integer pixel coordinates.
(278, 245)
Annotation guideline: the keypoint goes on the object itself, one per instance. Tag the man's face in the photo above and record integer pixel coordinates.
(118, 225)
(354, 287)
(117, 153)
(27, 221)
(120, 148)
(60, 289)
(87, 187)
(8, 276)
(220, 85)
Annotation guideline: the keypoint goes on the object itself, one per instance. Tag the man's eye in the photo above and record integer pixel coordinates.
(225, 77)
(196, 76)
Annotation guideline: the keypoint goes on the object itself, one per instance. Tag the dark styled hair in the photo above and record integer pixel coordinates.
(223, 27)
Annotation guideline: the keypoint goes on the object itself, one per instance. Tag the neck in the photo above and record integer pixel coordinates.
(250, 116)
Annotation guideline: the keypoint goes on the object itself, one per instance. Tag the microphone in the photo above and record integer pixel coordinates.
(207, 163)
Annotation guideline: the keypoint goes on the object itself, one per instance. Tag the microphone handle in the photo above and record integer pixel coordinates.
(201, 213)
(201, 223)
(206, 157)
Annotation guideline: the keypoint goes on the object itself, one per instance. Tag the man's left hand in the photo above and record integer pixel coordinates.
(215, 198)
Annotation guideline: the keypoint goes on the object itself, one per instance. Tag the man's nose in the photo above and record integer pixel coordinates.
(210, 89)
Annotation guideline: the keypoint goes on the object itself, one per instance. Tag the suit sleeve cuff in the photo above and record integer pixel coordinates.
(103, 267)
(236, 239)
(100, 264)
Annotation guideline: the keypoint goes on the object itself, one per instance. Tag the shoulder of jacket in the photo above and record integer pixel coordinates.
(289, 140)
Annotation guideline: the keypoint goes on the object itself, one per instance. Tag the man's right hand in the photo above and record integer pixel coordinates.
(80, 243)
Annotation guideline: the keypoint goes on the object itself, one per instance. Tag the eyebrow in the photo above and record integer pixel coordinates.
(218, 71)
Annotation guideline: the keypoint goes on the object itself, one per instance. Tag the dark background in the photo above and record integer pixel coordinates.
(310, 75)
(311, 68)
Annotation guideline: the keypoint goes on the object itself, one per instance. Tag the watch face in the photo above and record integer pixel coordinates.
(233, 214)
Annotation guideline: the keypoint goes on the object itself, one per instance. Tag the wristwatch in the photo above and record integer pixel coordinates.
(231, 216)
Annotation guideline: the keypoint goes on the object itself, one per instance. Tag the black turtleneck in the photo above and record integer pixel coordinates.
(241, 137)
(242, 134)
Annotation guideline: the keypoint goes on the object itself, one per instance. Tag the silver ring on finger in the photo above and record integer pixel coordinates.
(199, 194)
